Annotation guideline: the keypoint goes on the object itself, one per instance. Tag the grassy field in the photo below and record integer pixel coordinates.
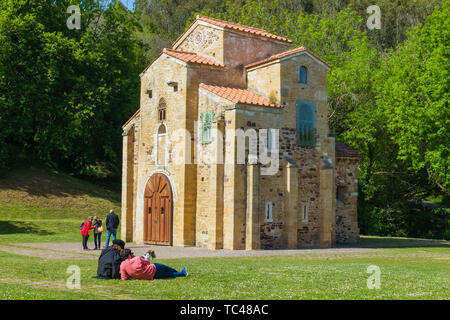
(408, 273)
(41, 206)
(31, 210)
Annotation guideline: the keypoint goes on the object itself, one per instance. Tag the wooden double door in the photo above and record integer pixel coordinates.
(158, 211)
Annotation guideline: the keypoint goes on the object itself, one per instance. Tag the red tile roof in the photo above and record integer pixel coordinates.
(188, 57)
(282, 55)
(237, 95)
(344, 151)
(191, 57)
(239, 27)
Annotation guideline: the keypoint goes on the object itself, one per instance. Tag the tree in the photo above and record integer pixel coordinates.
(65, 93)
(415, 99)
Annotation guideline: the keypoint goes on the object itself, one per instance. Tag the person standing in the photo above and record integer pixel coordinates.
(112, 223)
(98, 232)
(87, 226)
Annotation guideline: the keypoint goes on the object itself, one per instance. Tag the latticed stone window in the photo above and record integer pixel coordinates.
(206, 119)
(162, 110)
(306, 123)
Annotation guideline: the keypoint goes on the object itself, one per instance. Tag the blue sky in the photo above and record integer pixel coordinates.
(128, 3)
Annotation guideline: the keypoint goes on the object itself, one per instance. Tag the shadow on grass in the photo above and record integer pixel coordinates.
(392, 242)
(22, 227)
(40, 182)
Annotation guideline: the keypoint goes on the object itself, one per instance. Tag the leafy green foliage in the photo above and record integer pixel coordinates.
(65, 93)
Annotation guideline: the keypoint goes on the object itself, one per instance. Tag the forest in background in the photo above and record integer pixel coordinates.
(64, 94)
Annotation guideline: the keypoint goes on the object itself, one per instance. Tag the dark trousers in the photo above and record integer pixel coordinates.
(98, 239)
(85, 240)
(164, 272)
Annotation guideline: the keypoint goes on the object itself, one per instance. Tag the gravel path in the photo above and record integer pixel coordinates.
(71, 250)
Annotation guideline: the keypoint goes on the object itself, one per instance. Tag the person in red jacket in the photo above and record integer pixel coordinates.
(85, 232)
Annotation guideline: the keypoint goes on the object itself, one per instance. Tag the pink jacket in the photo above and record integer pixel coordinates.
(137, 268)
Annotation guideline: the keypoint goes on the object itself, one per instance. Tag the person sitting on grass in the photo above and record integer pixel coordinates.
(137, 267)
(109, 261)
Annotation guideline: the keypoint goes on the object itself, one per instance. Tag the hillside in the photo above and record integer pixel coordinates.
(39, 206)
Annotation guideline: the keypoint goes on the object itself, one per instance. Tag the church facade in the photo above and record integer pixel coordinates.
(231, 148)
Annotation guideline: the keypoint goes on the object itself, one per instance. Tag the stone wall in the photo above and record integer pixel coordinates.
(222, 204)
(347, 230)
(205, 41)
(129, 176)
(210, 175)
(314, 184)
(231, 48)
(164, 70)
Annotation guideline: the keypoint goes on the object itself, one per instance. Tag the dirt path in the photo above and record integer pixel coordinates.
(32, 251)
(71, 250)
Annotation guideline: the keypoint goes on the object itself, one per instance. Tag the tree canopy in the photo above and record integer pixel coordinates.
(64, 94)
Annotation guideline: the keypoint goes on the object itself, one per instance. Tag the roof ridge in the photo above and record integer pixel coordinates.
(180, 51)
(193, 57)
(268, 34)
(233, 26)
(233, 23)
(344, 151)
(285, 54)
(239, 95)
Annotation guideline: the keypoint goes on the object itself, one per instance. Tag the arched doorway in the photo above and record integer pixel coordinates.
(158, 211)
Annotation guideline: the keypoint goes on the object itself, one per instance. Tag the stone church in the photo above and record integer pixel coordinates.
(183, 184)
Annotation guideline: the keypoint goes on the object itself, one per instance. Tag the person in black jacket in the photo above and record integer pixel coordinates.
(112, 223)
(110, 260)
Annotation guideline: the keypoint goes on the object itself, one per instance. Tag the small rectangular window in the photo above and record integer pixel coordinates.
(268, 212)
(305, 213)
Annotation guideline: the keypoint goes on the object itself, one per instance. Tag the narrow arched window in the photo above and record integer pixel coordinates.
(162, 110)
(303, 75)
(161, 147)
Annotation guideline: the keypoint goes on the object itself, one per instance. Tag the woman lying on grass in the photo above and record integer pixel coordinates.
(136, 267)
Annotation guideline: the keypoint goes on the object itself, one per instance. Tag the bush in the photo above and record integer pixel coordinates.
(409, 220)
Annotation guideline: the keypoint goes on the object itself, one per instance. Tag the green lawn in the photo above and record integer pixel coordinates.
(407, 273)
(41, 206)
(42, 230)
(38, 206)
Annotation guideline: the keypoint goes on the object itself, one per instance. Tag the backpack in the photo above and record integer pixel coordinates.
(81, 225)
